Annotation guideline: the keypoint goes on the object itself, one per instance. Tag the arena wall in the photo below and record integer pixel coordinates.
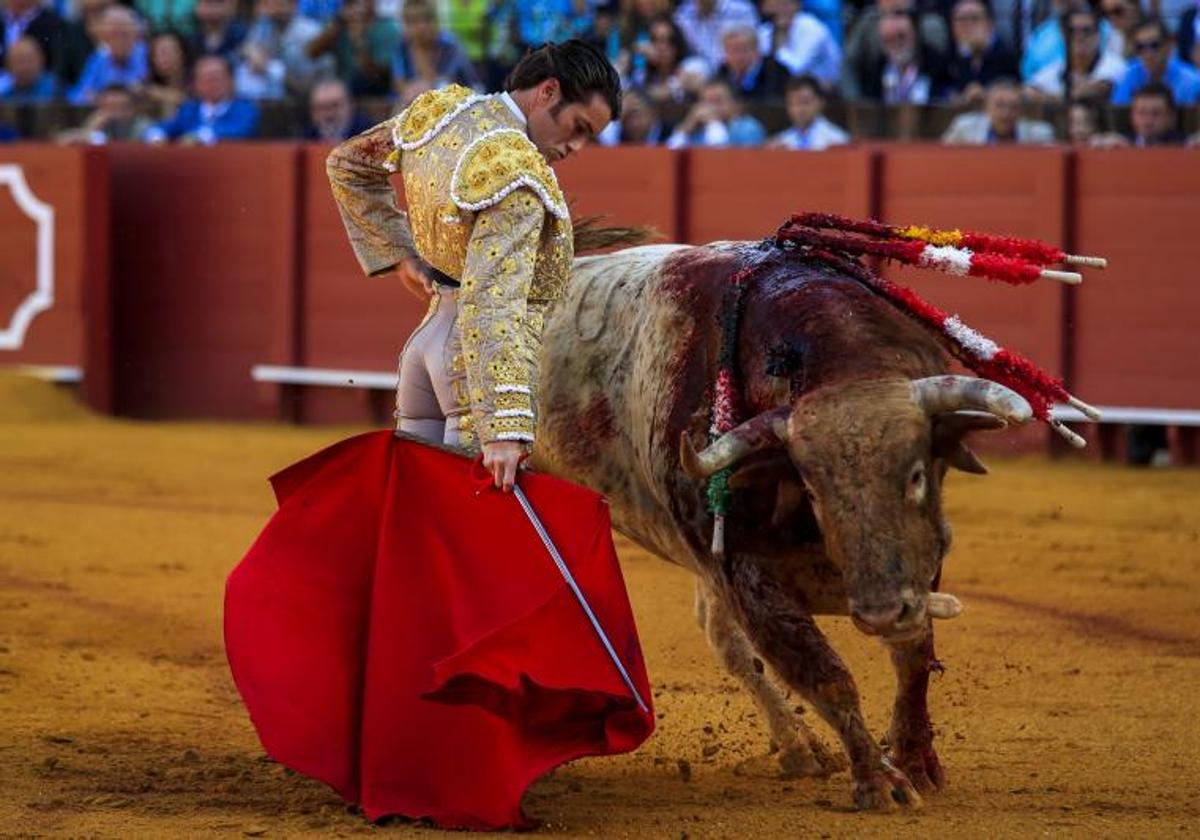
(209, 262)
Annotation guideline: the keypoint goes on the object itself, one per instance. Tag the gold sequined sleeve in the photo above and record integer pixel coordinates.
(493, 307)
(358, 172)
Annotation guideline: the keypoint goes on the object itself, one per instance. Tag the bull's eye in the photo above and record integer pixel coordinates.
(915, 491)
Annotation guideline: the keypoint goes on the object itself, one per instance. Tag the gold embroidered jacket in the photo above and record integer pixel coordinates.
(485, 208)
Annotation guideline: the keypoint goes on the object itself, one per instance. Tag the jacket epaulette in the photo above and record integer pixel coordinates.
(429, 113)
(498, 163)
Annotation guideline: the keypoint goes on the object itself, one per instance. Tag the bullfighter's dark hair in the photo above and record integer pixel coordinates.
(581, 69)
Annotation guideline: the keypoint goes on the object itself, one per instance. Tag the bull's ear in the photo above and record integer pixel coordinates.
(962, 458)
(948, 433)
(763, 471)
(790, 498)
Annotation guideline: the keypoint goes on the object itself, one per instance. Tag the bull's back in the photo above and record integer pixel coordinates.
(610, 349)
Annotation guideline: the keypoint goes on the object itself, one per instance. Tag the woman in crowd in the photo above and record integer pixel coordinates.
(427, 58)
(170, 73)
(658, 74)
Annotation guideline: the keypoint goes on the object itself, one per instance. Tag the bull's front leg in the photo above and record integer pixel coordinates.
(910, 740)
(786, 635)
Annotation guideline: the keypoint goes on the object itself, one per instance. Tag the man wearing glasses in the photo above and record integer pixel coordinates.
(1154, 62)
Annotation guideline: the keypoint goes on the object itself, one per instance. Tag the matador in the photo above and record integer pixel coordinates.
(487, 234)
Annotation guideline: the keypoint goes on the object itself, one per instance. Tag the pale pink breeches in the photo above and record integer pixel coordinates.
(426, 402)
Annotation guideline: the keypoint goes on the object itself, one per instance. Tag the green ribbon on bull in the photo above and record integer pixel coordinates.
(719, 492)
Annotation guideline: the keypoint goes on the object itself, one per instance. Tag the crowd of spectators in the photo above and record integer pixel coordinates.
(696, 72)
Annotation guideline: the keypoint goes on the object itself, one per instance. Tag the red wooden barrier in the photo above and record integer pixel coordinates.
(748, 193)
(54, 269)
(204, 266)
(350, 321)
(1137, 334)
(634, 186)
(1018, 192)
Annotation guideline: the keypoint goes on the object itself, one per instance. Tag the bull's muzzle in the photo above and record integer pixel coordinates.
(903, 618)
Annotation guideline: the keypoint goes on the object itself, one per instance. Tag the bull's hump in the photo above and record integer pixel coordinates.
(640, 252)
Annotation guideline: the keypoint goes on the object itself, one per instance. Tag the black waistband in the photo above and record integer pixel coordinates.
(441, 278)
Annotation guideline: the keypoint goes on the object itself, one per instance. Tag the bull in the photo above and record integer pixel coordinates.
(853, 423)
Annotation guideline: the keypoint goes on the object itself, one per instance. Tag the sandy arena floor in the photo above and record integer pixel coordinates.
(1068, 707)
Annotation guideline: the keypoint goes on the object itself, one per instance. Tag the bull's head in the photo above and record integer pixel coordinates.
(871, 456)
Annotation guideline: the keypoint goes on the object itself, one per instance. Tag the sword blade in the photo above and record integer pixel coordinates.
(579, 596)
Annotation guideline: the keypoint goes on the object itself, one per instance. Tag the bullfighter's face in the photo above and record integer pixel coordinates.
(559, 128)
(868, 459)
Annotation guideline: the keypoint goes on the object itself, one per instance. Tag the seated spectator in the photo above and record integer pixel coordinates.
(1123, 16)
(1154, 119)
(258, 75)
(827, 12)
(25, 78)
(800, 42)
(1153, 45)
(694, 73)
(977, 58)
(639, 125)
(322, 11)
(704, 21)
(1188, 32)
(1046, 44)
(753, 76)
(121, 59)
(810, 129)
(716, 120)
(361, 47)
(864, 50)
(217, 29)
(658, 74)
(634, 22)
(213, 115)
(426, 58)
(178, 15)
(285, 35)
(331, 113)
(115, 118)
(1083, 122)
(1090, 72)
(999, 123)
(540, 21)
(80, 37)
(903, 74)
(170, 73)
(34, 19)
(466, 21)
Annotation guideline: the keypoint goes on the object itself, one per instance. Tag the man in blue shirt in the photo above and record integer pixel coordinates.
(213, 115)
(121, 58)
(1155, 62)
(24, 78)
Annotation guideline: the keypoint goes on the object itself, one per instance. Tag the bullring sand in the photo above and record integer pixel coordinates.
(1068, 707)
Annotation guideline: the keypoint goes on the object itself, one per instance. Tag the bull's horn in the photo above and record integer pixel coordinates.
(941, 394)
(941, 605)
(765, 431)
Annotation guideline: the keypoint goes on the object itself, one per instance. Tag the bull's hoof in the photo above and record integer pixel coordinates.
(922, 768)
(887, 789)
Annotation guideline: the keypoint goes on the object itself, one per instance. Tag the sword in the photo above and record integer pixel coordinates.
(569, 578)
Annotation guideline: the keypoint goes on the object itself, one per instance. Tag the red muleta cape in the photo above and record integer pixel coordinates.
(406, 638)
